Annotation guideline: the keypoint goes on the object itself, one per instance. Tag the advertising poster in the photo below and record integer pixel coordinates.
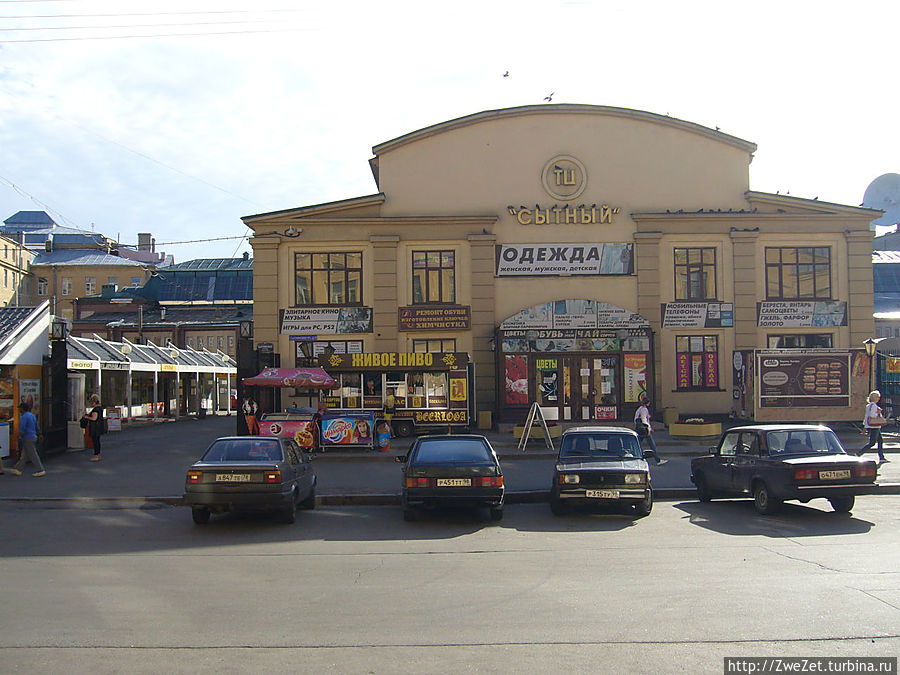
(697, 315)
(635, 378)
(570, 259)
(302, 431)
(712, 369)
(457, 389)
(6, 399)
(348, 429)
(30, 393)
(605, 412)
(516, 380)
(327, 320)
(803, 379)
(683, 370)
(801, 314)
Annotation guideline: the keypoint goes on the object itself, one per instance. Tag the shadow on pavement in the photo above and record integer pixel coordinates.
(739, 518)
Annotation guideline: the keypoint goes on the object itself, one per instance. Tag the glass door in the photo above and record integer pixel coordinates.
(605, 387)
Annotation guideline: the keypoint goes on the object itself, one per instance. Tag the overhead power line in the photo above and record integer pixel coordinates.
(156, 35)
(119, 14)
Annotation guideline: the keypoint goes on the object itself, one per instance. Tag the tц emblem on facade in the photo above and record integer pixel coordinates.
(564, 177)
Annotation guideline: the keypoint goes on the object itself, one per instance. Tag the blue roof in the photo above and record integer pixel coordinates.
(212, 264)
(30, 218)
(82, 256)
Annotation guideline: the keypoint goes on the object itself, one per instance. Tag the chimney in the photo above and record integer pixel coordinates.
(48, 245)
(246, 255)
(162, 313)
(144, 241)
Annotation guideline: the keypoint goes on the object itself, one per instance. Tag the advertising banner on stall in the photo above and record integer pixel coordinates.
(302, 431)
(803, 378)
(348, 428)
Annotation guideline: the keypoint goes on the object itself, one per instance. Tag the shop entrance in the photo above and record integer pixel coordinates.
(578, 388)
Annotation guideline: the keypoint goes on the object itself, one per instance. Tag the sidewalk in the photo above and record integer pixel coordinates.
(147, 463)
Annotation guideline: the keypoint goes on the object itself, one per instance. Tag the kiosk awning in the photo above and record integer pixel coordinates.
(304, 378)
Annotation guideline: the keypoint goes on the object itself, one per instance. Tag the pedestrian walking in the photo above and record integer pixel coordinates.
(645, 429)
(872, 422)
(29, 433)
(95, 424)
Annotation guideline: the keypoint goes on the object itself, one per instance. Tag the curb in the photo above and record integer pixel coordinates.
(519, 497)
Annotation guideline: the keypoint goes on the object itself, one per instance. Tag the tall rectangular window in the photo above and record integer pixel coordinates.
(42, 285)
(66, 286)
(798, 273)
(695, 274)
(696, 362)
(90, 285)
(433, 277)
(328, 278)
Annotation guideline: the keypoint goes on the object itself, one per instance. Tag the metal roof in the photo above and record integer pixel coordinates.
(34, 218)
(11, 318)
(882, 257)
(83, 257)
(212, 264)
(187, 360)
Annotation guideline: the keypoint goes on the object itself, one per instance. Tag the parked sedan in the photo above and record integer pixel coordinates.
(251, 473)
(773, 463)
(601, 466)
(451, 471)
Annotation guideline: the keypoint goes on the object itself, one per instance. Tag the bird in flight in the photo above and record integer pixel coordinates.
(550, 97)
(506, 74)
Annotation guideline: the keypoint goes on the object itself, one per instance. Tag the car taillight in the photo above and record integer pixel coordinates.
(418, 482)
(866, 471)
(194, 476)
(489, 481)
(805, 474)
(272, 476)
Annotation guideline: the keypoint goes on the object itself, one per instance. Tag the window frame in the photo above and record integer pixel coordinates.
(435, 345)
(778, 268)
(684, 294)
(90, 285)
(425, 293)
(65, 286)
(42, 286)
(805, 338)
(346, 272)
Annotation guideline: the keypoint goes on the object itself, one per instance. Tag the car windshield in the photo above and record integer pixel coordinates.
(803, 442)
(243, 450)
(452, 451)
(600, 445)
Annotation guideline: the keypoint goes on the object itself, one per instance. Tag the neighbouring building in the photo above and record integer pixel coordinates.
(579, 257)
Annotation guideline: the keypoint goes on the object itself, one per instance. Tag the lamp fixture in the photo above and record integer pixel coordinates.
(246, 329)
(293, 232)
(870, 347)
(58, 329)
(126, 349)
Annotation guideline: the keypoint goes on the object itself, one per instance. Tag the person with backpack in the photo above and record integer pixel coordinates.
(96, 424)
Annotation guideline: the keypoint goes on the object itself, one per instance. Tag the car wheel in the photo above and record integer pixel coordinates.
(409, 515)
(842, 504)
(289, 514)
(702, 490)
(200, 516)
(404, 429)
(310, 502)
(645, 506)
(763, 500)
(558, 507)
(497, 513)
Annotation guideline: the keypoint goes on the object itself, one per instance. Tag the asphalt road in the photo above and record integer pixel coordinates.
(360, 590)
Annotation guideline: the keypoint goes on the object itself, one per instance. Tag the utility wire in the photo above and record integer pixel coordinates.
(156, 35)
(138, 25)
(93, 16)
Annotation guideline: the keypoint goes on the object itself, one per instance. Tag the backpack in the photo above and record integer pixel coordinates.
(102, 424)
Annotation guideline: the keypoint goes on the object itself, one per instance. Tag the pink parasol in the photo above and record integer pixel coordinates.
(304, 378)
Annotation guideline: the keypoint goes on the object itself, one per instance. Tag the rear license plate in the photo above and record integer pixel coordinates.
(834, 475)
(454, 482)
(232, 477)
(602, 494)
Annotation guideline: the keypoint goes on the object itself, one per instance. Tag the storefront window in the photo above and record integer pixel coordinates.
(434, 277)
(447, 345)
(328, 278)
(800, 341)
(416, 390)
(548, 381)
(697, 362)
(436, 388)
(695, 273)
(395, 382)
(351, 390)
(798, 273)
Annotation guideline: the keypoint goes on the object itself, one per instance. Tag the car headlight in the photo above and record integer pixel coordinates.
(634, 478)
(569, 478)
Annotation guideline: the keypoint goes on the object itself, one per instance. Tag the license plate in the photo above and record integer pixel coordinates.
(232, 477)
(454, 482)
(834, 475)
(602, 494)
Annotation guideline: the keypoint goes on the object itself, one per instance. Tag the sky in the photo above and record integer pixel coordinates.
(179, 117)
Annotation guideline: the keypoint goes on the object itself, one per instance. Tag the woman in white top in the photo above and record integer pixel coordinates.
(874, 431)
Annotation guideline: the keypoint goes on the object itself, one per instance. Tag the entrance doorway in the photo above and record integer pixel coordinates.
(595, 388)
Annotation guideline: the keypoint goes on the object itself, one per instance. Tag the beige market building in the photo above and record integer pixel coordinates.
(581, 257)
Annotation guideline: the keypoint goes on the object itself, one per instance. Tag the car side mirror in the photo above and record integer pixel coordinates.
(711, 451)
